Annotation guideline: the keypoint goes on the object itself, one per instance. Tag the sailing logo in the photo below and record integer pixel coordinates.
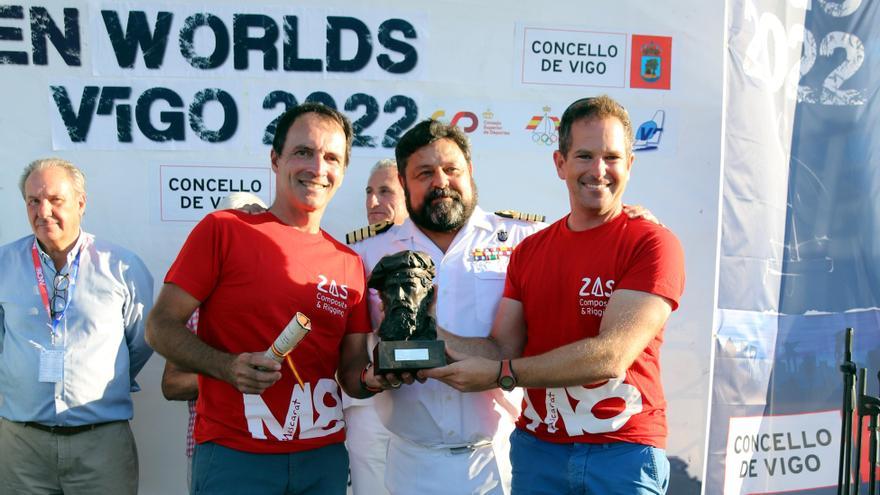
(649, 132)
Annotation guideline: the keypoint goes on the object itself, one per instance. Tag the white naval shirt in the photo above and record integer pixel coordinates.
(433, 414)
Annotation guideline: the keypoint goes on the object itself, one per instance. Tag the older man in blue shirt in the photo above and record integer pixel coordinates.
(72, 314)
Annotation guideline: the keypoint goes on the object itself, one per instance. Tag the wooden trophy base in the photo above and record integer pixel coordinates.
(398, 356)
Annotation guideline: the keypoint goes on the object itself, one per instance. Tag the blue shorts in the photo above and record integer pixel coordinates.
(541, 467)
(221, 470)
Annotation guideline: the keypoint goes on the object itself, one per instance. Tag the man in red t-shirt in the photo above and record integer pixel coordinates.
(262, 427)
(585, 303)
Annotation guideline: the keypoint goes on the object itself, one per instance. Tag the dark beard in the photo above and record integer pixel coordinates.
(444, 216)
(400, 324)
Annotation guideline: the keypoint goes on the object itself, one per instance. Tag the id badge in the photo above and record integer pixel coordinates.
(51, 365)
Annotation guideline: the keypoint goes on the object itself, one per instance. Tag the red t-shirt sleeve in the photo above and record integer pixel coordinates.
(197, 266)
(512, 289)
(656, 267)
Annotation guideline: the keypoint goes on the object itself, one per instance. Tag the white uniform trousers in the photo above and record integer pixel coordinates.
(416, 470)
(367, 441)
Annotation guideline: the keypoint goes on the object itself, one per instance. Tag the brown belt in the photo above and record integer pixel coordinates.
(66, 430)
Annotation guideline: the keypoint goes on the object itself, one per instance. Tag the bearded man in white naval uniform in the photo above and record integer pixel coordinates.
(444, 441)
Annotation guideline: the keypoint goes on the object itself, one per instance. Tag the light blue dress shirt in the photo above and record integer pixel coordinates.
(101, 334)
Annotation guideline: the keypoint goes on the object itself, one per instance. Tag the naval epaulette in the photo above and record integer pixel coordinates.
(367, 232)
(516, 215)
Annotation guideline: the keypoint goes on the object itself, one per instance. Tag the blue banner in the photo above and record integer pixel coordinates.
(800, 255)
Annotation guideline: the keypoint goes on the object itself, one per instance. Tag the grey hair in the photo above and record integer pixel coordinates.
(239, 200)
(383, 164)
(77, 178)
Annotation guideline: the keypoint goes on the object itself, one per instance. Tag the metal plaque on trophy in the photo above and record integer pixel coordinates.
(408, 332)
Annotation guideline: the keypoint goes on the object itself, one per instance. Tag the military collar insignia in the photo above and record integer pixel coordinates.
(516, 215)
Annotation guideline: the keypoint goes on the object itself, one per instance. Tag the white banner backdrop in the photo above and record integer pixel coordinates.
(149, 91)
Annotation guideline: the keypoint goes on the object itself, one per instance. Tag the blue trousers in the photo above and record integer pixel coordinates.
(221, 470)
(541, 467)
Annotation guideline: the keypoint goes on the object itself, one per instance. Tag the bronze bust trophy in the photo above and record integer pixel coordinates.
(408, 332)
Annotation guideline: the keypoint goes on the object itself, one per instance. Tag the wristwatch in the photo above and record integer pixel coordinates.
(506, 377)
